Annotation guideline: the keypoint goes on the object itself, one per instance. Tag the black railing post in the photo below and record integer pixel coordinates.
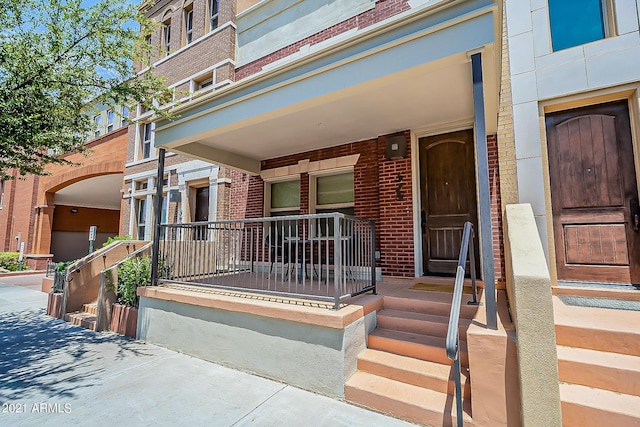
(158, 217)
(373, 257)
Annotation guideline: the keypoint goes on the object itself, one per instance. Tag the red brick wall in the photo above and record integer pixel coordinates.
(376, 182)
(17, 215)
(383, 9)
(496, 208)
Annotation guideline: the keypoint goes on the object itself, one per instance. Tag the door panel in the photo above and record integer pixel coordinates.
(448, 189)
(593, 181)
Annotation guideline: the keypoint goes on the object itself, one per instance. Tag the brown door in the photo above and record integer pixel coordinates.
(594, 194)
(448, 188)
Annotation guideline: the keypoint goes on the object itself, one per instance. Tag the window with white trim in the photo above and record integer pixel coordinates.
(125, 116)
(166, 37)
(188, 24)
(577, 22)
(1, 194)
(146, 140)
(97, 120)
(283, 199)
(331, 193)
(141, 218)
(110, 120)
(214, 10)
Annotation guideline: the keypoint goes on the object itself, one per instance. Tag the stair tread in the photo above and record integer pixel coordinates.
(426, 317)
(604, 319)
(427, 340)
(605, 400)
(418, 366)
(597, 357)
(385, 388)
(81, 314)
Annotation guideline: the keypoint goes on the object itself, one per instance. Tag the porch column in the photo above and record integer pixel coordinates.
(158, 217)
(486, 243)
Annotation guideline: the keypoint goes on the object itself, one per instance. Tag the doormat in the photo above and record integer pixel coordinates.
(438, 288)
(599, 285)
(614, 304)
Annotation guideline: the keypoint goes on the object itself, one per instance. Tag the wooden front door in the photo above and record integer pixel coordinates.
(594, 194)
(448, 189)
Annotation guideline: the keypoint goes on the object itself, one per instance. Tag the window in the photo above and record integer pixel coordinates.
(214, 9)
(148, 40)
(146, 135)
(188, 24)
(167, 37)
(141, 222)
(284, 200)
(125, 116)
(98, 125)
(110, 118)
(333, 193)
(576, 22)
(205, 83)
(1, 194)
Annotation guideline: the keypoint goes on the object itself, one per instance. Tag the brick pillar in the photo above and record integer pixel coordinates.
(43, 229)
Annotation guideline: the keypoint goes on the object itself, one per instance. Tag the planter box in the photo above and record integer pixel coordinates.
(124, 320)
(54, 304)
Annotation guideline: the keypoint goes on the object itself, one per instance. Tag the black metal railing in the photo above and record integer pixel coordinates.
(328, 257)
(453, 334)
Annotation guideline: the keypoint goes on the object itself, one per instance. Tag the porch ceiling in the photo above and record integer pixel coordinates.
(428, 85)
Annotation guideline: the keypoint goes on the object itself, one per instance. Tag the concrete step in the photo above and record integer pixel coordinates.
(597, 292)
(421, 373)
(81, 318)
(406, 401)
(597, 328)
(436, 303)
(91, 308)
(417, 346)
(418, 323)
(586, 407)
(608, 371)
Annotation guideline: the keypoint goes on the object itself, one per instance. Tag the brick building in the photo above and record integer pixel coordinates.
(52, 214)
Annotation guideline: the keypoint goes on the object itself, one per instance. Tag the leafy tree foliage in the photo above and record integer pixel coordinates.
(58, 59)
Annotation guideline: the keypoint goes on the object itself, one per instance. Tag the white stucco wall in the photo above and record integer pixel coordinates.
(539, 75)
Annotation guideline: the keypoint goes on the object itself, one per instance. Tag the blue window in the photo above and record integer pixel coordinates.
(576, 22)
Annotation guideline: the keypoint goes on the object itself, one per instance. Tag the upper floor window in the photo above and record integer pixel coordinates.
(97, 119)
(214, 9)
(1, 194)
(167, 36)
(125, 116)
(576, 22)
(188, 24)
(148, 40)
(145, 140)
(110, 119)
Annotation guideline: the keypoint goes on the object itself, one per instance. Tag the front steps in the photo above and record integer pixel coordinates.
(87, 318)
(405, 371)
(598, 365)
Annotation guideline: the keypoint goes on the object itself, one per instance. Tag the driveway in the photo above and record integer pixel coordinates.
(53, 373)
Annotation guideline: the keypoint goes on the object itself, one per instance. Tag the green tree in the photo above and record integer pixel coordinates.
(59, 58)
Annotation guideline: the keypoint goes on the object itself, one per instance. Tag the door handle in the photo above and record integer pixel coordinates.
(635, 214)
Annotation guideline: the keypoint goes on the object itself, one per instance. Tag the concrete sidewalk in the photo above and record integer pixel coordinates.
(55, 374)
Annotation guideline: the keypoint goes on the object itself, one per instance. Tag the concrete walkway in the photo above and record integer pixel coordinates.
(55, 374)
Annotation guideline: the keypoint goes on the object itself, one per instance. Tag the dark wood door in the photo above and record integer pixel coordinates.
(593, 191)
(448, 189)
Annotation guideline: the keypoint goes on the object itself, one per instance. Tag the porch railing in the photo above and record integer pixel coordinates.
(327, 257)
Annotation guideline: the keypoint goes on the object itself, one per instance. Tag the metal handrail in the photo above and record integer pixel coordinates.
(453, 334)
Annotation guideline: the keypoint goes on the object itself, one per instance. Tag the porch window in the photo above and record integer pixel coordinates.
(284, 198)
(576, 22)
(333, 193)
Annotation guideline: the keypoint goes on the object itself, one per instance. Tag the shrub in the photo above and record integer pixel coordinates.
(9, 261)
(62, 266)
(115, 239)
(133, 272)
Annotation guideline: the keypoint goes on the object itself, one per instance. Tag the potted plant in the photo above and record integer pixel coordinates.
(56, 296)
(133, 272)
